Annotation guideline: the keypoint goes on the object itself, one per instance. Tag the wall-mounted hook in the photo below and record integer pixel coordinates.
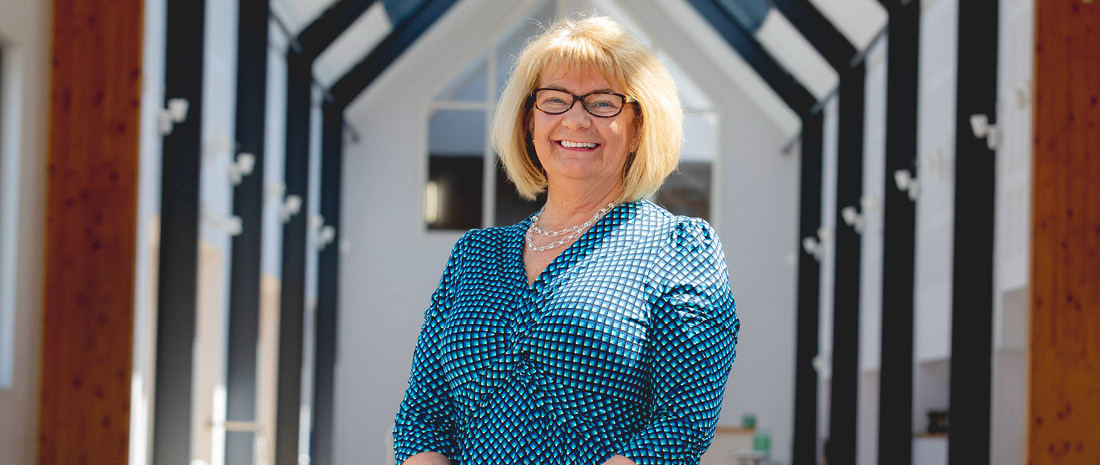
(241, 167)
(852, 217)
(979, 123)
(291, 205)
(175, 113)
(907, 183)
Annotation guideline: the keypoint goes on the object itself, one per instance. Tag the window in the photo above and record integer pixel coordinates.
(466, 185)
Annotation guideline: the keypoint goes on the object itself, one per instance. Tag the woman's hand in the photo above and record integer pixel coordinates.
(431, 458)
(619, 460)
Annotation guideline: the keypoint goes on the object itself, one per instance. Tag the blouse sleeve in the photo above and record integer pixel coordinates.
(425, 420)
(694, 336)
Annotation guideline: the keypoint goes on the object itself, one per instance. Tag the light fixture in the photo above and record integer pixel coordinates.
(979, 123)
(907, 183)
(242, 167)
(175, 113)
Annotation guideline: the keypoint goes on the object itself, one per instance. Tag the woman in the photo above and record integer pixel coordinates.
(600, 330)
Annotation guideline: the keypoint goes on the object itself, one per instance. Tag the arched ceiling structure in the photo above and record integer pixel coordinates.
(785, 46)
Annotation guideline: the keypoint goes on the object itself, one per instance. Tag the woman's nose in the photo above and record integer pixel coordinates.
(577, 117)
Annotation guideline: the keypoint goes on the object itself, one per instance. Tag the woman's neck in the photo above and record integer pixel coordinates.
(569, 207)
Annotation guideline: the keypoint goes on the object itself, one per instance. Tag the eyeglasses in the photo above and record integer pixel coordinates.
(600, 104)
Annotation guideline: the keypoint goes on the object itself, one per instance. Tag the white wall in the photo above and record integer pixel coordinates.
(147, 239)
(934, 216)
(392, 264)
(1011, 309)
(25, 38)
(870, 298)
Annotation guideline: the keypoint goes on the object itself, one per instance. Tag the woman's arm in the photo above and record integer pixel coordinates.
(619, 460)
(425, 424)
(429, 458)
(694, 334)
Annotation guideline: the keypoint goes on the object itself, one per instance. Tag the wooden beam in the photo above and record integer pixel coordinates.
(91, 212)
(1065, 268)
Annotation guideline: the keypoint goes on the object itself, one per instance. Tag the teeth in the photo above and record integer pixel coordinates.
(571, 144)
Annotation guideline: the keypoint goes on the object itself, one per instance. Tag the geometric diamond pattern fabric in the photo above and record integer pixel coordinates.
(621, 346)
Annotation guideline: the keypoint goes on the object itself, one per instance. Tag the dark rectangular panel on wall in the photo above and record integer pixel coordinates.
(292, 298)
(849, 182)
(895, 435)
(972, 272)
(809, 271)
(248, 199)
(1065, 228)
(328, 280)
(177, 280)
(91, 227)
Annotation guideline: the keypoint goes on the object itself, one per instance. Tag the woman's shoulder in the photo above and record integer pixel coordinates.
(676, 227)
(483, 240)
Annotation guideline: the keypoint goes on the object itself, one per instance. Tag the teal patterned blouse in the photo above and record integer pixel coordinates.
(621, 346)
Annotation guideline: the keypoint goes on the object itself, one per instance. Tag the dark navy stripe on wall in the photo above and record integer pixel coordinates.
(895, 436)
(292, 298)
(845, 357)
(177, 279)
(804, 442)
(328, 280)
(972, 282)
(244, 279)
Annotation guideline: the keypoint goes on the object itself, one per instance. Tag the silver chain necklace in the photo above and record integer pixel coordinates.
(570, 233)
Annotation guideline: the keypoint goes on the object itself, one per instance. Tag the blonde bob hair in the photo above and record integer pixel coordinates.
(597, 44)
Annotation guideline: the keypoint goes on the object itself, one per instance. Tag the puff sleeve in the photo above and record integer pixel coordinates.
(693, 337)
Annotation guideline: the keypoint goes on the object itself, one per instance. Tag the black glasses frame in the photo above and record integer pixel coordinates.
(581, 98)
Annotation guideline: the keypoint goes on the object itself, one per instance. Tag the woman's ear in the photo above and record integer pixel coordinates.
(636, 139)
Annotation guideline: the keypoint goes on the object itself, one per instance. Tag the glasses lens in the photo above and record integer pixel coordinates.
(603, 104)
(553, 101)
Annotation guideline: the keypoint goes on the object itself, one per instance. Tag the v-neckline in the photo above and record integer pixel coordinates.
(520, 249)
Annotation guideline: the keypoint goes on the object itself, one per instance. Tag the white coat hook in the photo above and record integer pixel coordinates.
(273, 191)
(852, 217)
(291, 205)
(175, 113)
(231, 225)
(218, 144)
(979, 123)
(907, 183)
(813, 247)
(825, 235)
(241, 167)
(936, 161)
(325, 237)
(1023, 95)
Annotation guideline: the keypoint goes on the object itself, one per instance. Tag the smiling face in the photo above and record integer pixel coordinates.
(575, 148)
